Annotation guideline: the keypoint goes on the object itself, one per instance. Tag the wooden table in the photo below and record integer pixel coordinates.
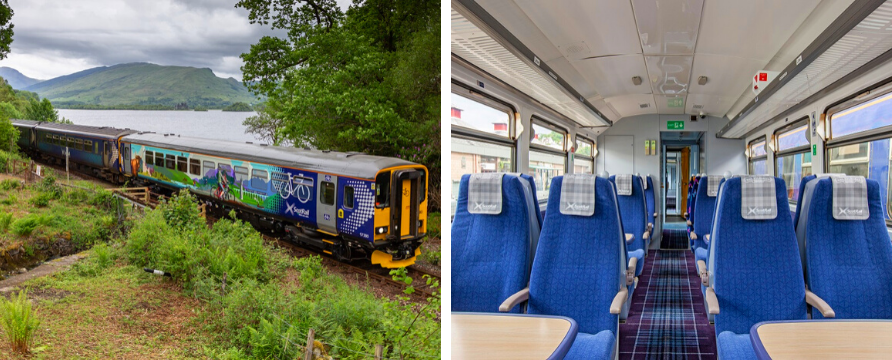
(511, 336)
(823, 339)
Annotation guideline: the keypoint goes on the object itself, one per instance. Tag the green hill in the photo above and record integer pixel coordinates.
(16, 79)
(143, 84)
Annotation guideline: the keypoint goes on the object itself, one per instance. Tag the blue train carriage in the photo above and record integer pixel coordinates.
(90, 149)
(350, 205)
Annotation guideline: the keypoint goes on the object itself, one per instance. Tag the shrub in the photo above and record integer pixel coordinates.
(41, 199)
(11, 199)
(18, 321)
(9, 184)
(26, 225)
(5, 220)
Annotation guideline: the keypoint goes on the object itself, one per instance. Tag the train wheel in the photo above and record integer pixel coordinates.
(343, 253)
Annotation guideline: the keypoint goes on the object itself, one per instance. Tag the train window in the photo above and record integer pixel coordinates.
(207, 167)
(259, 174)
(758, 157)
(56, 140)
(861, 117)
(422, 191)
(481, 137)
(547, 155)
(71, 142)
(382, 190)
(793, 160)
(159, 160)
(241, 173)
(79, 144)
(583, 158)
(170, 162)
(194, 166)
(181, 164)
(88, 145)
(348, 197)
(150, 157)
(328, 193)
(278, 180)
(49, 139)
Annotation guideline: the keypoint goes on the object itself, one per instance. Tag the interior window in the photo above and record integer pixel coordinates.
(583, 159)
(328, 193)
(348, 197)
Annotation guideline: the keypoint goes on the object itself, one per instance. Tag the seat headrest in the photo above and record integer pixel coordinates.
(712, 185)
(485, 193)
(850, 198)
(624, 184)
(578, 194)
(758, 199)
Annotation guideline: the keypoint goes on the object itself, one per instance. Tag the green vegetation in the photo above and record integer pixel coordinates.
(18, 322)
(113, 107)
(239, 106)
(5, 28)
(200, 108)
(365, 80)
(143, 84)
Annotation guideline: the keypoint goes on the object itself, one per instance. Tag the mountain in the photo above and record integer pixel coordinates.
(143, 84)
(16, 79)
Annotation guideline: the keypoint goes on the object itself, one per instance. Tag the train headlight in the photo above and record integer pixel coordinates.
(381, 230)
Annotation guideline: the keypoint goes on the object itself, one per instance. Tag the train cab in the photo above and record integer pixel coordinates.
(654, 179)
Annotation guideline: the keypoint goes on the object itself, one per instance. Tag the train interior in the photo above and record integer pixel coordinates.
(675, 176)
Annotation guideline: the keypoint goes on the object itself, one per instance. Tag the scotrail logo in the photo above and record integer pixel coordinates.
(577, 207)
(294, 210)
(484, 207)
(759, 211)
(851, 212)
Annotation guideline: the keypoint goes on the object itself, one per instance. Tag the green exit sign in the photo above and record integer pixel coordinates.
(675, 125)
(675, 102)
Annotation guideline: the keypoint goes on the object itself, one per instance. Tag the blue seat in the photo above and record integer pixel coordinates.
(633, 211)
(580, 270)
(802, 184)
(849, 261)
(492, 253)
(754, 272)
(650, 201)
(539, 213)
(705, 204)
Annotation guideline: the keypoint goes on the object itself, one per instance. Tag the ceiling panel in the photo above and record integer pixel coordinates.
(669, 74)
(630, 105)
(668, 27)
(584, 28)
(670, 104)
(714, 105)
(509, 15)
(612, 75)
(572, 76)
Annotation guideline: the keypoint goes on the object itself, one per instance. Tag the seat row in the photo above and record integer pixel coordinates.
(578, 266)
(759, 266)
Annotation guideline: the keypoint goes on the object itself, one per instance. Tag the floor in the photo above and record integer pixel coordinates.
(667, 319)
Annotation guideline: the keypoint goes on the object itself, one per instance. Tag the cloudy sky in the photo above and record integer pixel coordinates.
(60, 37)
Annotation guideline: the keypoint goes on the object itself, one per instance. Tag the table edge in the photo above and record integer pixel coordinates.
(562, 349)
(759, 348)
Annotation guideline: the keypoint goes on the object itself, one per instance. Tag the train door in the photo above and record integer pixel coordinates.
(404, 200)
(326, 204)
(125, 156)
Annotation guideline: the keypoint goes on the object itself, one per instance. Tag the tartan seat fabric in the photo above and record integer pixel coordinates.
(633, 210)
(491, 254)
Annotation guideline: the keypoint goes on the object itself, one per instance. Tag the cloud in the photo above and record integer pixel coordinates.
(58, 37)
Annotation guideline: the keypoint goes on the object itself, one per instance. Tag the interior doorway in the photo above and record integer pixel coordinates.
(681, 160)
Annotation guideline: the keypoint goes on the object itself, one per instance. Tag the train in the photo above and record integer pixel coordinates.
(348, 204)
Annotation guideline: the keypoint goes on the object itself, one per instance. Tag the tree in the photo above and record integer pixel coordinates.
(5, 28)
(367, 80)
(266, 126)
(43, 111)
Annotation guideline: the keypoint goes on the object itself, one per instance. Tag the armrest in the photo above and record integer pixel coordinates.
(650, 226)
(712, 302)
(630, 271)
(514, 300)
(629, 238)
(689, 223)
(693, 235)
(646, 235)
(704, 276)
(617, 305)
(818, 303)
(706, 237)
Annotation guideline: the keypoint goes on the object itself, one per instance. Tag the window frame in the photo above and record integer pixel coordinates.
(537, 120)
(170, 161)
(89, 144)
(150, 154)
(325, 191)
(351, 197)
(265, 176)
(750, 159)
(194, 166)
(241, 173)
(590, 157)
(802, 149)
(79, 144)
(184, 162)
(205, 167)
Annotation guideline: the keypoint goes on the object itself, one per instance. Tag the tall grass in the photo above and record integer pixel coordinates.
(5, 221)
(18, 321)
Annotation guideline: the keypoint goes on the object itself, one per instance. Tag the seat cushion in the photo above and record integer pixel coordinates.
(638, 254)
(701, 254)
(592, 346)
(732, 346)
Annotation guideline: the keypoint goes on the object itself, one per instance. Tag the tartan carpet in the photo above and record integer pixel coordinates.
(675, 239)
(667, 319)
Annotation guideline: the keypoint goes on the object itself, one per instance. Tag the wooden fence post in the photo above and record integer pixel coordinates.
(379, 352)
(308, 355)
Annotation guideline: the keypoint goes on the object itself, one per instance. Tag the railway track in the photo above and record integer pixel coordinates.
(376, 275)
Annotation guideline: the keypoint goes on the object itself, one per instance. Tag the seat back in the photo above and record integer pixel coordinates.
(632, 210)
(580, 262)
(802, 184)
(754, 265)
(849, 261)
(491, 253)
(650, 200)
(529, 178)
(707, 195)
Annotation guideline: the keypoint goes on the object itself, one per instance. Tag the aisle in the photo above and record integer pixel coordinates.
(675, 237)
(667, 319)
